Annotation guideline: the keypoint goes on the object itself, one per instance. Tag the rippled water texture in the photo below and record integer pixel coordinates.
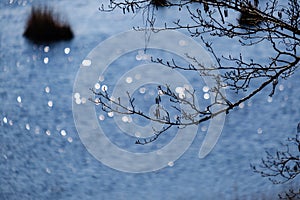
(42, 157)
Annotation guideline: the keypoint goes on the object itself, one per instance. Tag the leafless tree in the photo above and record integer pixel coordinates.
(283, 166)
(291, 194)
(274, 23)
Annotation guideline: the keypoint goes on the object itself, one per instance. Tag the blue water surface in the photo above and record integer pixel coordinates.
(41, 154)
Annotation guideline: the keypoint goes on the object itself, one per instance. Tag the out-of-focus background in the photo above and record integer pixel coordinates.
(42, 157)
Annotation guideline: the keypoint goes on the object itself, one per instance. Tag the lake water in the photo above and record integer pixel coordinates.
(42, 156)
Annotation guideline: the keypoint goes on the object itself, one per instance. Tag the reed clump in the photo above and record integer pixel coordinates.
(43, 25)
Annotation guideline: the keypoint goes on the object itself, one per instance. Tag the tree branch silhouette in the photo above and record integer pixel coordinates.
(274, 23)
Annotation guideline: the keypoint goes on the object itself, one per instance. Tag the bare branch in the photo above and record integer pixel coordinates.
(274, 24)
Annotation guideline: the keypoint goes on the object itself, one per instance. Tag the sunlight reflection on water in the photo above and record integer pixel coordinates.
(25, 81)
(67, 50)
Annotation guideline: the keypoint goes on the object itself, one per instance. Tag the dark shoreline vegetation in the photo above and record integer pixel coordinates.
(159, 3)
(248, 18)
(45, 26)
